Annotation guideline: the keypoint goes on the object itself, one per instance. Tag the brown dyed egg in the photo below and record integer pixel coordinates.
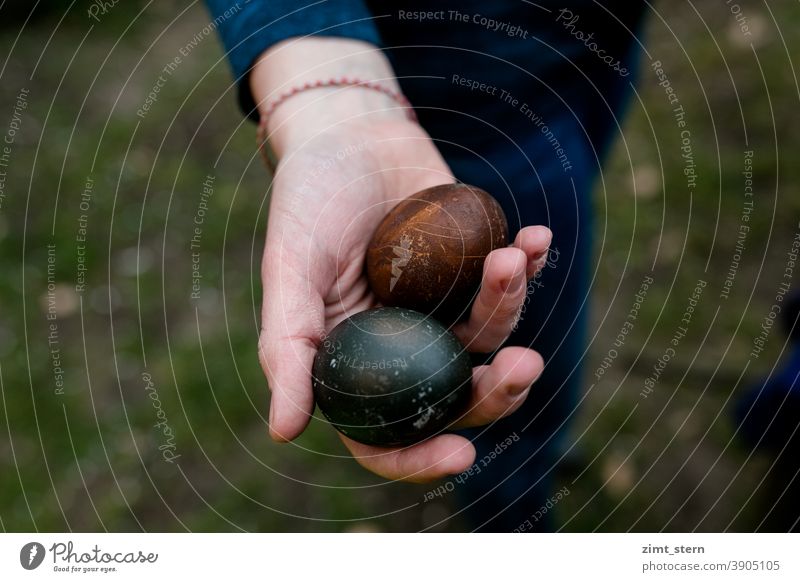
(427, 254)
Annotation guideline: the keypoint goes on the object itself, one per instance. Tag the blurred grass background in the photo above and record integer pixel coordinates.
(89, 459)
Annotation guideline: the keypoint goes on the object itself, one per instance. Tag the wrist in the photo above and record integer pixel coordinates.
(290, 120)
(329, 110)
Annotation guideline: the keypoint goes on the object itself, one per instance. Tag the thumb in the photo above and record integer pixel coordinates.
(292, 326)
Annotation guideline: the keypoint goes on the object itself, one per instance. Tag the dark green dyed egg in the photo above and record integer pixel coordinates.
(391, 377)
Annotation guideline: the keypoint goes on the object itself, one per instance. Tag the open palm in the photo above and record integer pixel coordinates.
(328, 197)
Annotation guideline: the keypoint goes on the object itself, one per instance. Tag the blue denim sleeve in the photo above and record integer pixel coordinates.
(248, 28)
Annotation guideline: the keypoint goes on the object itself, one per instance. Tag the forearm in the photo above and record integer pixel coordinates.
(293, 62)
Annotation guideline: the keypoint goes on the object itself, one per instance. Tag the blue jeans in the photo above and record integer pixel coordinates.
(537, 181)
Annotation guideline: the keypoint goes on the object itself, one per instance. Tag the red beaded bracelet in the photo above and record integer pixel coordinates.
(261, 137)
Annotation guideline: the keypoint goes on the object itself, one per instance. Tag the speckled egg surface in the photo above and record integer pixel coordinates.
(391, 376)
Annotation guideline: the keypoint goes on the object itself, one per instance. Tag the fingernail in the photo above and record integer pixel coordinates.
(541, 254)
(513, 285)
(518, 391)
(538, 262)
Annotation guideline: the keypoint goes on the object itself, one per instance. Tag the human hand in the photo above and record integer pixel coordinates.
(346, 158)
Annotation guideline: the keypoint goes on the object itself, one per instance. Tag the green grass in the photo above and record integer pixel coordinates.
(89, 459)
